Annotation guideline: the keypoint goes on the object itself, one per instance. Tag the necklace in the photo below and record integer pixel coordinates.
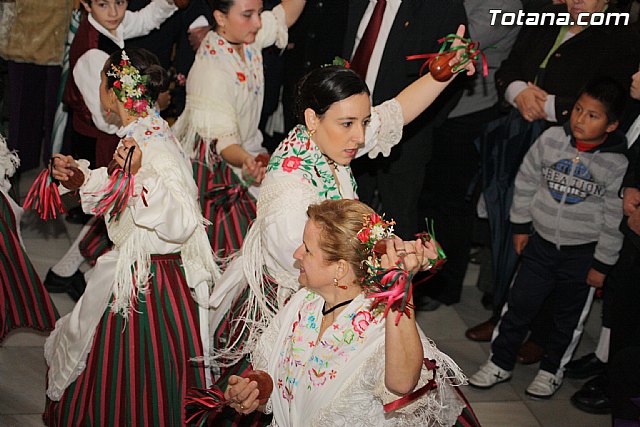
(330, 161)
(332, 309)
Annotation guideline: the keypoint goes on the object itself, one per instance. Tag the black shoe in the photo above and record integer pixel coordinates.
(593, 397)
(77, 216)
(77, 285)
(585, 367)
(428, 304)
(55, 284)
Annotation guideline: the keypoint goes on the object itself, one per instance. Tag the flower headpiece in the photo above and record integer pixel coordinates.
(390, 287)
(341, 62)
(374, 229)
(130, 86)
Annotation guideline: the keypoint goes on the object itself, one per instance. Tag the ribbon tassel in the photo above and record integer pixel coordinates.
(118, 190)
(44, 197)
(200, 403)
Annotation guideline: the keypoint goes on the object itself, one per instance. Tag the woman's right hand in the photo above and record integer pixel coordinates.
(519, 242)
(530, 103)
(61, 167)
(253, 172)
(242, 394)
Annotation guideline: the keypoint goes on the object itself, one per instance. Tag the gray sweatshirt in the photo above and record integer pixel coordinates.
(571, 197)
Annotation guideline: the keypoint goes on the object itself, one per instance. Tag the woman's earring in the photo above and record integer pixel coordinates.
(312, 132)
(337, 285)
(109, 113)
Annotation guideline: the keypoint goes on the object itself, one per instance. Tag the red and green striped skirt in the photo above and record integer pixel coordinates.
(225, 202)
(96, 242)
(138, 371)
(24, 302)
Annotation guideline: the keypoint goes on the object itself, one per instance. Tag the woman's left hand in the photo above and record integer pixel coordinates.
(242, 394)
(123, 149)
(470, 65)
(253, 172)
(410, 253)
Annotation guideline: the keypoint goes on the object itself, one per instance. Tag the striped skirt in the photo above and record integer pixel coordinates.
(138, 371)
(96, 242)
(24, 302)
(224, 201)
(226, 333)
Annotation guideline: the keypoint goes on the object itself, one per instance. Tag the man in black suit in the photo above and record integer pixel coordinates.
(393, 184)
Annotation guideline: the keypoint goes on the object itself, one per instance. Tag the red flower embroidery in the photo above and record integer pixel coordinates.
(361, 321)
(291, 163)
(332, 374)
(212, 52)
(241, 76)
(148, 132)
(220, 42)
(230, 50)
(311, 344)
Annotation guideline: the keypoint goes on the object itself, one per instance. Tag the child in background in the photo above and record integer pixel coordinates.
(121, 357)
(102, 32)
(565, 215)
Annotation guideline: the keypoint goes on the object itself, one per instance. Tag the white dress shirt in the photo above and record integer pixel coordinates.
(385, 28)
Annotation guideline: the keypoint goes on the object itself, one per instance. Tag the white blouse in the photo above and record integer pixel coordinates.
(338, 378)
(225, 93)
(166, 220)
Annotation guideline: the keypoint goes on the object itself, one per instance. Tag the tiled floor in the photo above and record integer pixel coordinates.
(22, 367)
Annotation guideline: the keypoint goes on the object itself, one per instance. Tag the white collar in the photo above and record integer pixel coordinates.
(117, 39)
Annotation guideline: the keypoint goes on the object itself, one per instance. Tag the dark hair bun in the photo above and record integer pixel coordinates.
(158, 80)
(322, 87)
(147, 64)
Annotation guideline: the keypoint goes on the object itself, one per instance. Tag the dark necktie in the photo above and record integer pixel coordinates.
(361, 58)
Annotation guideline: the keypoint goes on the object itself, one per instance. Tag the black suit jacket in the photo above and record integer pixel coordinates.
(417, 27)
(597, 51)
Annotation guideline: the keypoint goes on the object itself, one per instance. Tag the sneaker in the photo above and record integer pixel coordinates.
(489, 375)
(544, 385)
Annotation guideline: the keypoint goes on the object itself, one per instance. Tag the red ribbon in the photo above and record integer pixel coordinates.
(412, 397)
(203, 402)
(44, 197)
(116, 194)
(472, 50)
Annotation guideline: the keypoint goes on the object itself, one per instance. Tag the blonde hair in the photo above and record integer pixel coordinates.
(339, 222)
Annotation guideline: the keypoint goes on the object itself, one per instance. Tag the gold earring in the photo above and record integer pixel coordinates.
(337, 285)
(312, 132)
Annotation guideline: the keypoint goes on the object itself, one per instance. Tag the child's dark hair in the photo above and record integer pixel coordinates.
(322, 87)
(147, 64)
(221, 5)
(610, 93)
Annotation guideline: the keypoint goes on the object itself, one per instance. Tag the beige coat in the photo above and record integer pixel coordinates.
(34, 31)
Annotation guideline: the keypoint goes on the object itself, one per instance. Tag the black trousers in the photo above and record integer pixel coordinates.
(447, 197)
(544, 270)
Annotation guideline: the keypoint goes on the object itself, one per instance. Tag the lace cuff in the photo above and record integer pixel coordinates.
(390, 122)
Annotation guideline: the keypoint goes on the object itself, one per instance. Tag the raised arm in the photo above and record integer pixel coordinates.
(419, 95)
(292, 10)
